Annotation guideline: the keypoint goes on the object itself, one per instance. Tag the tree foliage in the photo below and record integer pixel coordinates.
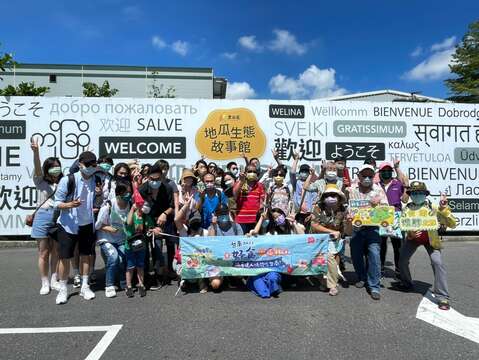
(93, 90)
(24, 89)
(465, 64)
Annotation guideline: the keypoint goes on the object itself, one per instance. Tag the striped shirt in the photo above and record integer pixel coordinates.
(249, 203)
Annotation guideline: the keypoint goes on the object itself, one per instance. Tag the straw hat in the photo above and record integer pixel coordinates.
(333, 189)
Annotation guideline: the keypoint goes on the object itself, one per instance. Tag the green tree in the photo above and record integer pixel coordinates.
(93, 90)
(159, 91)
(24, 89)
(6, 62)
(465, 64)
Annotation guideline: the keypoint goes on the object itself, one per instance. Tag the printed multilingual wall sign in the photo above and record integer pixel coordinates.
(435, 143)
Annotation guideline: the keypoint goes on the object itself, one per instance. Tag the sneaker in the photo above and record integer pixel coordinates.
(77, 281)
(333, 291)
(203, 286)
(45, 289)
(444, 304)
(110, 291)
(55, 285)
(86, 293)
(375, 295)
(62, 296)
(360, 284)
(129, 292)
(142, 291)
(399, 286)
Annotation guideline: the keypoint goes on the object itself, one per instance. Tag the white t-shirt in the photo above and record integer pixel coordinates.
(85, 215)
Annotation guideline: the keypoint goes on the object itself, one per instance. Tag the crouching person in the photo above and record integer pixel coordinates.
(222, 225)
(111, 236)
(429, 239)
(328, 217)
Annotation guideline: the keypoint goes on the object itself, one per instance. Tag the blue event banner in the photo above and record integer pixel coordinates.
(211, 256)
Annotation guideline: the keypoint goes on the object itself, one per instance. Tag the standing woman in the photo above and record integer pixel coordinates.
(121, 172)
(46, 180)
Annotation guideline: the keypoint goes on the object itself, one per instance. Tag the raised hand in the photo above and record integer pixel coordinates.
(34, 145)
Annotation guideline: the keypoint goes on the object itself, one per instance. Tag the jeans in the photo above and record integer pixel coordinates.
(367, 240)
(115, 263)
(265, 285)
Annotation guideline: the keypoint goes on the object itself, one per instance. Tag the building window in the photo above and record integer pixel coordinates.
(53, 79)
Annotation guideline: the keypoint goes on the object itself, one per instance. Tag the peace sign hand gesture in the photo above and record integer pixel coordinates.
(34, 145)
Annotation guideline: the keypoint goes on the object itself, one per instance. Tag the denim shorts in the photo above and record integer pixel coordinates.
(135, 259)
(42, 222)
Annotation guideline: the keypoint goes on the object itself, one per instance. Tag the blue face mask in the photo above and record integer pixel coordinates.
(154, 184)
(223, 220)
(303, 176)
(126, 197)
(105, 167)
(88, 171)
(418, 198)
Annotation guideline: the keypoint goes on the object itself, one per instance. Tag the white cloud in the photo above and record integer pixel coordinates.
(286, 42)
(313, 83)
(445, 45)
(436, 66)
(229, 56)
(239, 90)
(433, 68)
(180, 47)
(158, 42)
(418, 51)
(250, 43)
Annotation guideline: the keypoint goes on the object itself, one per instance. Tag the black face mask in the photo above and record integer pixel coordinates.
(386, 175)
(122, 178)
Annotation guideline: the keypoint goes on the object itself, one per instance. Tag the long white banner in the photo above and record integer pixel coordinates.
(436, 143)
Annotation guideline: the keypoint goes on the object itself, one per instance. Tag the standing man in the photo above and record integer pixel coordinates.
(394, 189)
(367, 237)
(159, 197)
(74, 197)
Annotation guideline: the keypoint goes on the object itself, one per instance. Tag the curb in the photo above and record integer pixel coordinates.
(6, 244)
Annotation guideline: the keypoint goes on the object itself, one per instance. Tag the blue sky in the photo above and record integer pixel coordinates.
(266, 49)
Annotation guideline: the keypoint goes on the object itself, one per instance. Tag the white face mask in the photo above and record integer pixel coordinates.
(331, 176)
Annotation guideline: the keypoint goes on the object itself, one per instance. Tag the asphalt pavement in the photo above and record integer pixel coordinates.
(303, 323)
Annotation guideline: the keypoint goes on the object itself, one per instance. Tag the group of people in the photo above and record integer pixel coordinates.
(136, 214)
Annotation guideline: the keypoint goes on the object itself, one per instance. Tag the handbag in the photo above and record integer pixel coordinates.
(136, 242)
(30, 217)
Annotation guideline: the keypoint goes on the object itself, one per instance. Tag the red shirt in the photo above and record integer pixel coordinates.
(249, 203)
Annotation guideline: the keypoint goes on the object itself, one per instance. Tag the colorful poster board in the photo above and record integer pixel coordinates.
(211, 256)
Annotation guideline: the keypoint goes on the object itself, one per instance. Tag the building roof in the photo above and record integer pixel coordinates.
(112, 67)
(399, 94)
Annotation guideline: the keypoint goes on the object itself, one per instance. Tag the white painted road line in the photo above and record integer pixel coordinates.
(98, 350)
(451, 320)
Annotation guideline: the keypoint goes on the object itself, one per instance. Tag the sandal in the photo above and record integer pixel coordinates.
(333, 291)
(444, 304)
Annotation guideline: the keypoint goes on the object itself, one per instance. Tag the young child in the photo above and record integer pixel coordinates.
(136, 226)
